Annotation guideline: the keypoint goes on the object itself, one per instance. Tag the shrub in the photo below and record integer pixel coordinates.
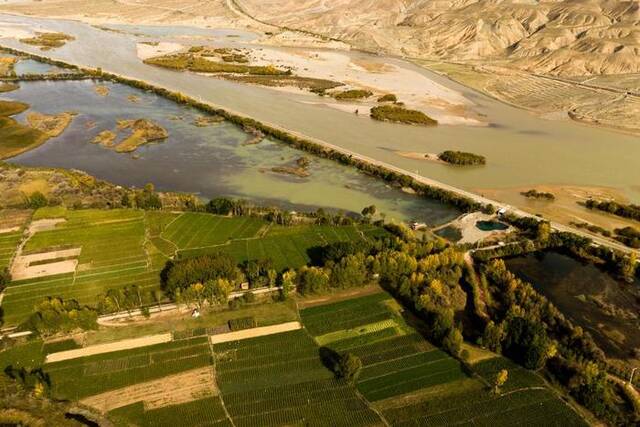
(37, 200)
(462, 158)
(394, 113)
(388, 98)
(353, 94)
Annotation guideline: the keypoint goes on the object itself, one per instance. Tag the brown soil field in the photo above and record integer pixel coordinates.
(170, 390)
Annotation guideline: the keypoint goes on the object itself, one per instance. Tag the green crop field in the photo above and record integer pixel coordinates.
(395, 359)
(86, 376)
(112, 255)
(280, 380)
(414, 384)
(202, 412)
(197, 230)
(8, 245)
(285, 246)
(123, 247)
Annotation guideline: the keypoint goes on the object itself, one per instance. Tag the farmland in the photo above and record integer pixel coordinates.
(112, 254)
(280, 380)
(119, 248)
(86, 376)
(245, 238)
(412, 383)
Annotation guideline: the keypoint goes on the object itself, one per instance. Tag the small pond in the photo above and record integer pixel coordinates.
(606, 307)
(491, 226)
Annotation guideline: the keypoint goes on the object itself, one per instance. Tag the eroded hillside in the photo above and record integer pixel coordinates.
(557, 37)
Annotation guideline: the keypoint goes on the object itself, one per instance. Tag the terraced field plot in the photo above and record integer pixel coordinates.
(112, 255)
(414, 384)
(87, 376)
(202, 412)
(280, 380)
(196, 230)
(8, 245)
(248, 239)
(11, 224)
(395, 359)
(524, 399)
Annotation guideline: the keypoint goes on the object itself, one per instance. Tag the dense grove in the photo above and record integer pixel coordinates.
(535, 194)
(615, 208)
(398, 114)
(461, 158)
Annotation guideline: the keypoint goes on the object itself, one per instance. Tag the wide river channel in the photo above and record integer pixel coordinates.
(521, 148)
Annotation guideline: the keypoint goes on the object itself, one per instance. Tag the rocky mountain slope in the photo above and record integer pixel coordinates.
(556, 37)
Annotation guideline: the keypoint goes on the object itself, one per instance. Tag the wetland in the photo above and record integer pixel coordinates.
(176, 152)
(605, 307)
(525, 150)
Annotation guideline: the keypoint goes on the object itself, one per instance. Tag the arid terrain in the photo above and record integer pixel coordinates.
(557, 58)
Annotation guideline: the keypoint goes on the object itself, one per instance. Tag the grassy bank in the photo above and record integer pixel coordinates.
(16, 138)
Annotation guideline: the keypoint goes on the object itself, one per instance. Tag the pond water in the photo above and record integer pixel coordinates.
(608, 308)
(522, 149)
(491, 226)
(451, 233)
(29, 66)
(210, 161)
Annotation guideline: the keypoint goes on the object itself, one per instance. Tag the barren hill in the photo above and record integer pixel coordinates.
(557, 37)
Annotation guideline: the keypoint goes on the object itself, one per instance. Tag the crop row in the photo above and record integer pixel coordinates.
(192, 230)
(91, 375)
(202, 412)
(411, 379)
(8, 245)
(505, 410)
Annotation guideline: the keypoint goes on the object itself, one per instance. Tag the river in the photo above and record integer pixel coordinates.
(522, 149)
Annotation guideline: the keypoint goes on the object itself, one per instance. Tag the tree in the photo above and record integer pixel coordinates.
(369, 211)
(5, 278)
(182, 274)
(312, 280)
(527, 343)
(501, 378)
(348, 367)
(543, 232)
(288, 283)
(220, 206)
(37, 200)
(628, 266)
(493, 336)
(349, 272)
(217, 291)
(193, 294)
(147, 198)
(453, 342)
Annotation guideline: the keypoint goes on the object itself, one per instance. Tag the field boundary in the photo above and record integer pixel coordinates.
(109, 347)
(255, 332)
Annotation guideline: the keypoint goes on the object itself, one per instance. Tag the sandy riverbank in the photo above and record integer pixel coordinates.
(565, 208)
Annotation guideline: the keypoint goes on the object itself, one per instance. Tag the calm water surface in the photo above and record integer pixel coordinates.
(521, 149)
(211, 161)
(586, 294)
